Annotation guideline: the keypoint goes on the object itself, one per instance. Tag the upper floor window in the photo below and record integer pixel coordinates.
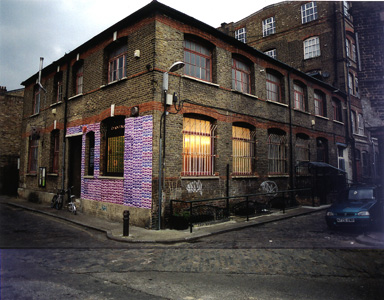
(337, 110)
(36, 100)
(197, 59)
(320, 104)
(241, 35)
(117, 63)
(78, 77)
(58, 88)
(269, 26)
(272, 53)
(241, 76)
(353, 122)
(277, 152)
(311, 47)
(273, 85)
(360, 124)
(308, 12)
(243, 150)
(351, 88)
(198, 147)
(346, 6)
(299, 96)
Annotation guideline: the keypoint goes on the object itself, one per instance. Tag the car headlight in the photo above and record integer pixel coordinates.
(330, 214)
(363, 213)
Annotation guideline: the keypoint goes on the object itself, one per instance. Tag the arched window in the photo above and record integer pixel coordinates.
(300, 96)
(198, 146)
(274, 85)
(117, 57)
(197, 59)
(312, 47)
(320, 103)
(302, 153)
(277, 152)
(78, 77)
(241, 76)
(322, 150)
(243, 149)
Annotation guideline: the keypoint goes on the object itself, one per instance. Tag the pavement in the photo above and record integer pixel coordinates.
(114, 229)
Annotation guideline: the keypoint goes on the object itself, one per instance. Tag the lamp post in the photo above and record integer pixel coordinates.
(176, 66)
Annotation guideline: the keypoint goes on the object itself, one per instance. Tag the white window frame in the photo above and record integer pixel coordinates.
(272, 53)
(309, 12)
(311, 47)
(241, 34)
(360, 124)
(269, 26)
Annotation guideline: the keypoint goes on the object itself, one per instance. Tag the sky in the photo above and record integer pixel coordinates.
(30, 29)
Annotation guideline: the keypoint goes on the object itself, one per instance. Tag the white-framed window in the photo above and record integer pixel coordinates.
(241, 35)
(117, 63)
(269, 26)
(277, 152)
(197, 59)
(346, 6)
(353, 122)
(350, 84)
(273, 85)
(360, 124)
(241, 76)
(243, 150)
(272, 53)
(312, 47)
(308, 12)
(341, 159)
(198, 147)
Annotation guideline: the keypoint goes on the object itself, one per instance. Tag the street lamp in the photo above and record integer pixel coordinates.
(176, 66)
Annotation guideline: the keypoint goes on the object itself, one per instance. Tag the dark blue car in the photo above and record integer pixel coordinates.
(358, 207)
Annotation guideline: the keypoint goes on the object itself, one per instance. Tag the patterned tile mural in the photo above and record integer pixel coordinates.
(135, 188)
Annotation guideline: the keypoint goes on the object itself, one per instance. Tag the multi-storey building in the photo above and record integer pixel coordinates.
(318, 38)
(11, 106)
(106, 115)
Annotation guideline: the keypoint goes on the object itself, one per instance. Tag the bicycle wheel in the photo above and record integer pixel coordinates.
(60, 201)
(53, 202)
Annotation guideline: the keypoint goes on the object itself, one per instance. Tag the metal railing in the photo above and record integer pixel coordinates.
(221, 205)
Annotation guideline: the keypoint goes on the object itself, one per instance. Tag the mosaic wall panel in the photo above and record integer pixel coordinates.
(135, 188)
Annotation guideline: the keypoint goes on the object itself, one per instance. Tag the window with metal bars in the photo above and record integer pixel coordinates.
(114, 144)
(277, 153)
(243, 151)
(302, 154)
(198, 147)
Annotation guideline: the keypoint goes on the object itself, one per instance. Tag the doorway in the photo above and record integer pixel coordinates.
(74, 164)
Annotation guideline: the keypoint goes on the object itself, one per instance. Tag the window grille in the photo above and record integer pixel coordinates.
(302, 155)
(243, 151)
(198, 147)
(277, 154)
(115, 156)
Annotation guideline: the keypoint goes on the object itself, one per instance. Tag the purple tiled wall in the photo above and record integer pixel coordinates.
(135, 188)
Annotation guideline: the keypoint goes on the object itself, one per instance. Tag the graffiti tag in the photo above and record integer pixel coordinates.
(195, 187)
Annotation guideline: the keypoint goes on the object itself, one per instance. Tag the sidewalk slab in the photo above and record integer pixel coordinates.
(114, 229)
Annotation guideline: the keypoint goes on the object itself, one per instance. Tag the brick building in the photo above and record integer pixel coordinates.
(96, 118)
(11, 105)
(318, 38)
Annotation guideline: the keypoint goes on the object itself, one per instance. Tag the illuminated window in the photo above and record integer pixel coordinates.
(113, 141)
(241, 76)
(198, 147)
(243, 151)
(197, 59)
(116, 65)
(277, 152)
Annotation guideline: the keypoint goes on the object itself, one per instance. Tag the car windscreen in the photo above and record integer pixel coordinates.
(360, 194)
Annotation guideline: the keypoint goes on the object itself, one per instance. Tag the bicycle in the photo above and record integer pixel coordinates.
(58, 200)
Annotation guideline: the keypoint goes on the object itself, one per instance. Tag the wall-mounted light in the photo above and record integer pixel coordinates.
(136, 54)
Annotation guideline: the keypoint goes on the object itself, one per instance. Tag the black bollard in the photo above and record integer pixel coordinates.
(126, 223)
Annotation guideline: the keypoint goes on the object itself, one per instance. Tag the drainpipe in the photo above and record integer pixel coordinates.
(65, 124)
(291, 182)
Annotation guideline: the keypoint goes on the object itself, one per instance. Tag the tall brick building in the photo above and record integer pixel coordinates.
(96, 118)
(11, 105)
(319, 38)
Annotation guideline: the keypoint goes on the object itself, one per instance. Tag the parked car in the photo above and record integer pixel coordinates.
(358, 206)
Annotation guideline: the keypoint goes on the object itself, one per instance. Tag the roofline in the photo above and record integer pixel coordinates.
(156, 7)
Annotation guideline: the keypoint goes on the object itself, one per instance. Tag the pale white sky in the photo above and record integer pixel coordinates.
(30, 29)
